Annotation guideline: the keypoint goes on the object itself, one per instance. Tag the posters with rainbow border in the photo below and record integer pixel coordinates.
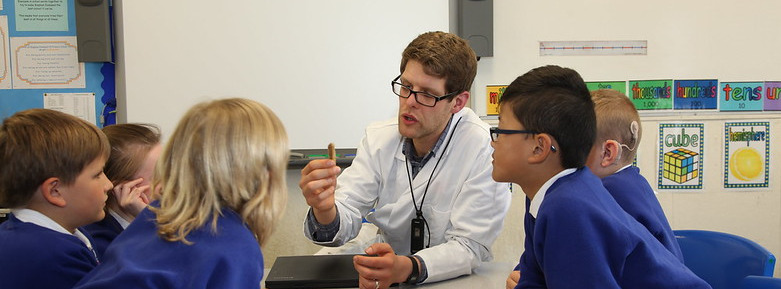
(493, 94)
(741, 96)
(772, 95)
(681, 149)
(680, 95)
(746, 154)
(619, 86)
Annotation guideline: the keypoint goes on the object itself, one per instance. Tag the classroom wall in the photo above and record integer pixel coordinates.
(315, 63)
(166, 43)
(725, 40)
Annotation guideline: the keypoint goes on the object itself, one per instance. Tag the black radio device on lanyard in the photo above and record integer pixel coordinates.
(419, 224)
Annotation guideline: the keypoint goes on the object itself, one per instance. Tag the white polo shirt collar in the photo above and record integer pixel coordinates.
(534, 207)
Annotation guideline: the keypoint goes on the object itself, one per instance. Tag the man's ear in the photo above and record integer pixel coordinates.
(459, 101)
(611, 153)
(52, 191)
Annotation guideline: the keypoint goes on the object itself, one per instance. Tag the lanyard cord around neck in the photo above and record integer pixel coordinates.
(419, 211)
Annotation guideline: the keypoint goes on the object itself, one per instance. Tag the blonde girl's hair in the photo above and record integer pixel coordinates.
(229, 153)
(617, 119)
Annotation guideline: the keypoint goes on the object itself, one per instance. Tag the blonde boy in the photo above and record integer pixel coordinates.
(611, 158)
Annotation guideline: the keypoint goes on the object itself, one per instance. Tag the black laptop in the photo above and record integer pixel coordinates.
(312, 271)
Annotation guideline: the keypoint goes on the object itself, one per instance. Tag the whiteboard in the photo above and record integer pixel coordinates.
(323, 66)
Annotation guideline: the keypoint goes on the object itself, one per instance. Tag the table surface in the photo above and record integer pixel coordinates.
(488, 275)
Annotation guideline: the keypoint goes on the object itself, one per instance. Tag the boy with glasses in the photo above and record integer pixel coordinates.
(426, 174)
(577, 236)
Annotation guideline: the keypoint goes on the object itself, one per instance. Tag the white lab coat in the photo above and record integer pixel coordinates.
(464, 207)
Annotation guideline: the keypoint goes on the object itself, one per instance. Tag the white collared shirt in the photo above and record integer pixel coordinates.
(35, 217)
(534, 207)
(621, 169)
(122, 222)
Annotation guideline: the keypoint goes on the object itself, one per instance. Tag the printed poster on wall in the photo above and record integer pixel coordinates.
(696, 94)
(46, 62)
(772, 95)
(740, 96)
(746, 154)
(81, 104)
(5, 54)
(41, 15)
(620, 86)
(492, 95)
(651, 94)
(681, 148)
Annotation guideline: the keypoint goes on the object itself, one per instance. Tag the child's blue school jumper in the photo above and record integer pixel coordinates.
(32, 257)
(139, 258)
(635, 196)
(103, 232)
(582, 238)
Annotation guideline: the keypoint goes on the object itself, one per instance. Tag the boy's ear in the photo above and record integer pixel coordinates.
(610, 153)
(51, 190)
(543, 148)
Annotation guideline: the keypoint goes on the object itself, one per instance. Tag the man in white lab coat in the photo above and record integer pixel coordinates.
(426, 174)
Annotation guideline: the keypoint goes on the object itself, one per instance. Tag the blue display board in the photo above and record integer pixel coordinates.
(98, 76)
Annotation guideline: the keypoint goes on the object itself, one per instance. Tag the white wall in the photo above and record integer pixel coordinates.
(296, 57)
(323, 66)
(726, 40)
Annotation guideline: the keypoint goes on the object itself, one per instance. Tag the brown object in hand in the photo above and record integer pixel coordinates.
(331, 151)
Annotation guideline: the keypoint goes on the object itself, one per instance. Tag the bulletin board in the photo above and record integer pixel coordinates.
(40, 67)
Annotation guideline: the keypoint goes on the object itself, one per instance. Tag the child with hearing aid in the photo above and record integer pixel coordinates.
(611, 158)
(576, 234)
(221, 183)
(51, 175)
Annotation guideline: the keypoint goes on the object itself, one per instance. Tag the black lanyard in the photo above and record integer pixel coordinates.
(419, 222)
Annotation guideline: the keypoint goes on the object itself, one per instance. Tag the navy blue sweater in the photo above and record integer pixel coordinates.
(103, 232)
(33, 257)
(635, 196)
(139, 258)
(582, 238)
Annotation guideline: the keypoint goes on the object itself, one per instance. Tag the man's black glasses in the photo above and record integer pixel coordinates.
(422, 97)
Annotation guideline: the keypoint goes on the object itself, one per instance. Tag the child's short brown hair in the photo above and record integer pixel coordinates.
(37, 144)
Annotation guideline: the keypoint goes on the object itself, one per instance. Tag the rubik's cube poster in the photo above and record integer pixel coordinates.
(746, 154)
(681, 147)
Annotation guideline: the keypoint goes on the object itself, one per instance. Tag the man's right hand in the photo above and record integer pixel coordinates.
(318, 183)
